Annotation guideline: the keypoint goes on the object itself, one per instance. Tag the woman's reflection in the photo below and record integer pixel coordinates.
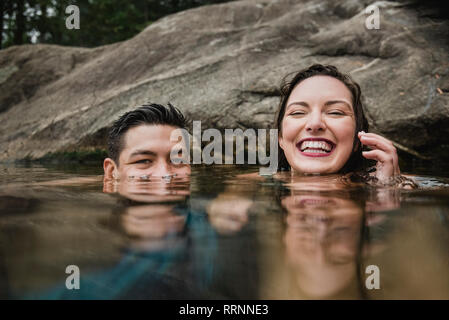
(322, 243)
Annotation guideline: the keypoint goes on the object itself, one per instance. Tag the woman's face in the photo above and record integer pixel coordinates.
(318, 127)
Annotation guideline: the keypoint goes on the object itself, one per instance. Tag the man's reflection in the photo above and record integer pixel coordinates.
(168, 249)
(151, 214)
(167, 189)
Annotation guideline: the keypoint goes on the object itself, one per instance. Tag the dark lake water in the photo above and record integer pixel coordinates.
(217, 236)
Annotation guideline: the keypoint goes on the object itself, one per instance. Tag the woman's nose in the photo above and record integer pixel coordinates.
(315, 122)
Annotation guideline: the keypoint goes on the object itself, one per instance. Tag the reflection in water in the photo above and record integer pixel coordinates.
(322, 244)
(217, 236)
(151, 214)
(159, 258)
(333, 231)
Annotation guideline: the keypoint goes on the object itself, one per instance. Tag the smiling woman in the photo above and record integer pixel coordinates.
(318, 126)
(322, 127)
(319, 115)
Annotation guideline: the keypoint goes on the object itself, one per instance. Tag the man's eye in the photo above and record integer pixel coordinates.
(145, 161)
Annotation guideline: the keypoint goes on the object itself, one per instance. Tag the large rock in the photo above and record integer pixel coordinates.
(222, 64)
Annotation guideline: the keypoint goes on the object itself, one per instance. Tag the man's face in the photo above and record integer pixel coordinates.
(146, 152)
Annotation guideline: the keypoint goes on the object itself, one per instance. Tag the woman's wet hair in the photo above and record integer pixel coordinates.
(147, 114)
(356, 160)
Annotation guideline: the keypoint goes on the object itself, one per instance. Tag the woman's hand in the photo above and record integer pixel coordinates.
(384, 152)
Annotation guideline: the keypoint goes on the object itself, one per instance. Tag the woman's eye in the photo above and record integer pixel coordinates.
(337, 113)
(298, 113)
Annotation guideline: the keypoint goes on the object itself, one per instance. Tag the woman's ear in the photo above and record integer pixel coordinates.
(110, 169)
(281, 142)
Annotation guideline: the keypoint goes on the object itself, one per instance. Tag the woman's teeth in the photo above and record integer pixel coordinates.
(316, 151)
(316, 146)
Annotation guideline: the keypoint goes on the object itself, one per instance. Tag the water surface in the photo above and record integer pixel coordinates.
(219, 237)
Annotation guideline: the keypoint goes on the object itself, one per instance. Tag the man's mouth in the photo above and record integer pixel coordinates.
(315, 147)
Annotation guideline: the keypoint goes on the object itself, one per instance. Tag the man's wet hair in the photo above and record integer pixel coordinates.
(147, 114)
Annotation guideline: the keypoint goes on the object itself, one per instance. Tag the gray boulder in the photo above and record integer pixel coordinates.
(222, 64)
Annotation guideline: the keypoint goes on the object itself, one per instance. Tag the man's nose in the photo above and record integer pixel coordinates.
(315, 122)
(161, 169)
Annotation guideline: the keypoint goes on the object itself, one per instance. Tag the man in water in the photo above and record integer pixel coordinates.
(140, 147)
